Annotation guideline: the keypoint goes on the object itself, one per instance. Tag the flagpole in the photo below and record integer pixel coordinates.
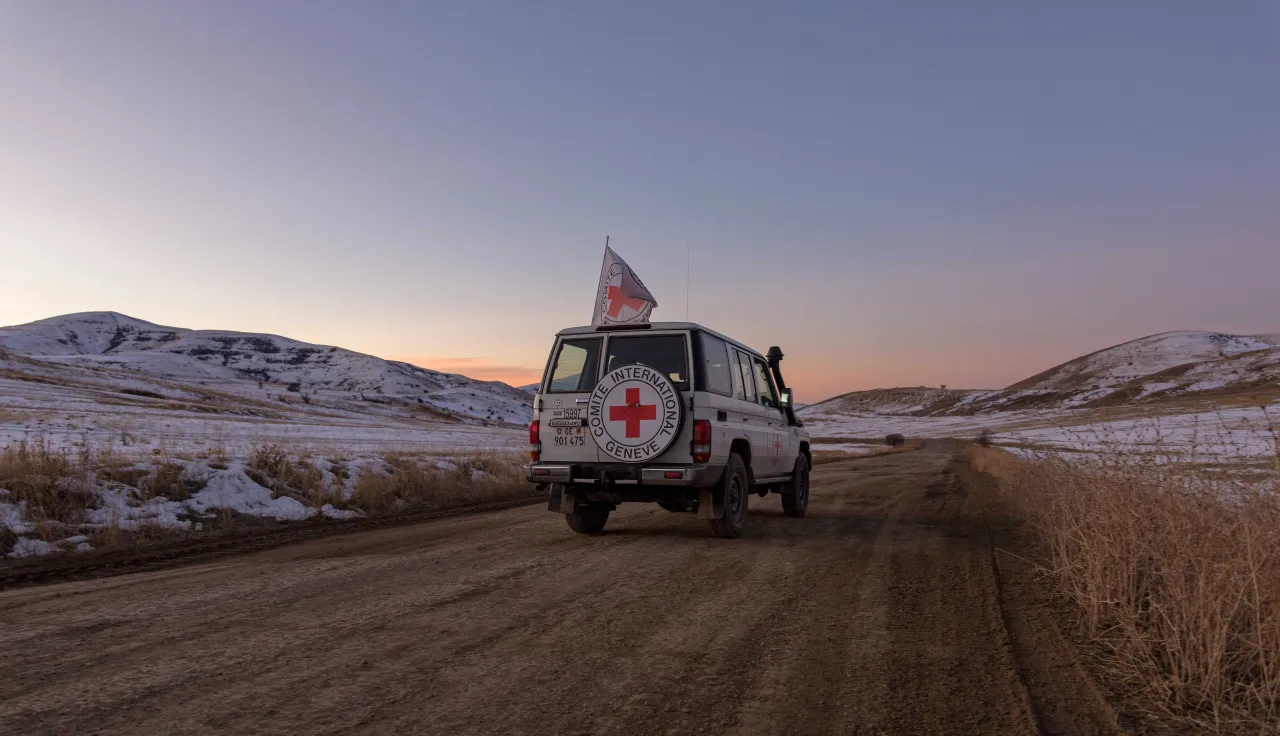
(604, 260)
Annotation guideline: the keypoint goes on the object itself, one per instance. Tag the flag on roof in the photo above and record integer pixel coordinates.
(622, 297)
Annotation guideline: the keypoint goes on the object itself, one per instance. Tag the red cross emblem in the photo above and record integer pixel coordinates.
(777, 446)
(632, 412)
(617, 300)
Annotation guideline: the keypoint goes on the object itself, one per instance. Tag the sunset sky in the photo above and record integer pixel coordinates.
(896, 193)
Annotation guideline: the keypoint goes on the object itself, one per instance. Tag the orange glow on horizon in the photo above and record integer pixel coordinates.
(482, 369)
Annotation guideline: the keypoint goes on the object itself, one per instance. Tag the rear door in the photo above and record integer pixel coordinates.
(571, 375)
(669, 353)
(755, 420)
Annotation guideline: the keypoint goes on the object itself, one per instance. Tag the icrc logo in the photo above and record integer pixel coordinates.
(634, 413)
(618, 308)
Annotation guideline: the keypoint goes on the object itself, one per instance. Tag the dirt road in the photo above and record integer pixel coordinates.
(883, 612)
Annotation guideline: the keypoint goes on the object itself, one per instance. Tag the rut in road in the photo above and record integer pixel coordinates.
(878, 613)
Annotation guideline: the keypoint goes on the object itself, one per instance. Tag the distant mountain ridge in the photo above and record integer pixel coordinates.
(238, 361)
(1146, 356)
(1167, 365)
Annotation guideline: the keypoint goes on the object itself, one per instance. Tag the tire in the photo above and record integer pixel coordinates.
(675, 508)
(736, 488)
(795, 500)
(587, 519)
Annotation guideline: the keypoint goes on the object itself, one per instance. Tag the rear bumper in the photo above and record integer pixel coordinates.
(589, 475)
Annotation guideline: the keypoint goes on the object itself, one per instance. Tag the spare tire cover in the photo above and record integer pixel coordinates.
(634, 413)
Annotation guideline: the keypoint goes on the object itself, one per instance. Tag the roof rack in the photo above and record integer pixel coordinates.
(612, 328)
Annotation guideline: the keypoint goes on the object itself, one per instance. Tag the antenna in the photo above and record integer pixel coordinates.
(686, 281)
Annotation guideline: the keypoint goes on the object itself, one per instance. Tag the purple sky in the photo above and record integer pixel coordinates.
(959, 193)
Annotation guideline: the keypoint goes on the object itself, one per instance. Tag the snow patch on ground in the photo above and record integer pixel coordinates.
(1085, 397)
(340, 514)
(11, 518)
(853, 448)
(234, 490)
(28, 547)
(1155, 388)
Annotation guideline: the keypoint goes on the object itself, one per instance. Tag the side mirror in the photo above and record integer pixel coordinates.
(786, 398)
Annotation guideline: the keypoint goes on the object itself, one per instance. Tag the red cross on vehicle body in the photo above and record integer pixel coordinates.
(633, 413)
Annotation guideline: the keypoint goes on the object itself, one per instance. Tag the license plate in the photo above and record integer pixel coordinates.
(570, 437)
(566, 422)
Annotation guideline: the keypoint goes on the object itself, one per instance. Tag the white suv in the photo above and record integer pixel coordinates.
(665, 412)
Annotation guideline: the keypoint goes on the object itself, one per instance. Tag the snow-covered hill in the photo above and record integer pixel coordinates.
(1142, 358)
(1170, 365)
(256, 365)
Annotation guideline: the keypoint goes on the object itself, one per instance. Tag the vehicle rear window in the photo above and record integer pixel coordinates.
(713, 364)
(575, 367)
(664, 352)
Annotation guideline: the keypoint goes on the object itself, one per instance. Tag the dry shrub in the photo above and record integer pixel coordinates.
(173, 481)
(272, 467)
(1175, 572)
(985, 438)
(55, 484)
(408, 481)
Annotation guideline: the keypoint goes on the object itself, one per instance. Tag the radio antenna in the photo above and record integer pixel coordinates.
(686, 281)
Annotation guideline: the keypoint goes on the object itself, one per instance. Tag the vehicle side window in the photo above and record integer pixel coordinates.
(748, 389)
(576, 366)
(735, 374)
(714, 375)
(764, 386)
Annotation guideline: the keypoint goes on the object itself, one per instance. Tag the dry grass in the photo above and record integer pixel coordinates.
(413, 481)
(174, 481)
(55, 485)
(270, 466)
(58, 488)
(1175, 575)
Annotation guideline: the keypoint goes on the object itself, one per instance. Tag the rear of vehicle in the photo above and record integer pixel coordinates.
(722, 440)
(567, 451)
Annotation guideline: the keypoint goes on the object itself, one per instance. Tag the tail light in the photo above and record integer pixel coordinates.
(535, 445)
(701, 445)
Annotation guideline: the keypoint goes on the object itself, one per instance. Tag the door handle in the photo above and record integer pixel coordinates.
(581, 401)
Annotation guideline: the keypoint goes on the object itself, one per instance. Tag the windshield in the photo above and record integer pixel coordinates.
(664, 352)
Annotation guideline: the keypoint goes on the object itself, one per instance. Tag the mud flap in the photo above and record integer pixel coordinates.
(567, 502)
(710, 504)
(553, 498)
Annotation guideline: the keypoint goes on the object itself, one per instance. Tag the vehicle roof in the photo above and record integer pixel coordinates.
(654, 327)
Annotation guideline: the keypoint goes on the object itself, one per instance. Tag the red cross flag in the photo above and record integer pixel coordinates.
(622, 297)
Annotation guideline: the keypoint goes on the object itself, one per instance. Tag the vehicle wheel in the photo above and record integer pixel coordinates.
(736, 489)
(675, 508)
(795, 500)
(587, 519)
